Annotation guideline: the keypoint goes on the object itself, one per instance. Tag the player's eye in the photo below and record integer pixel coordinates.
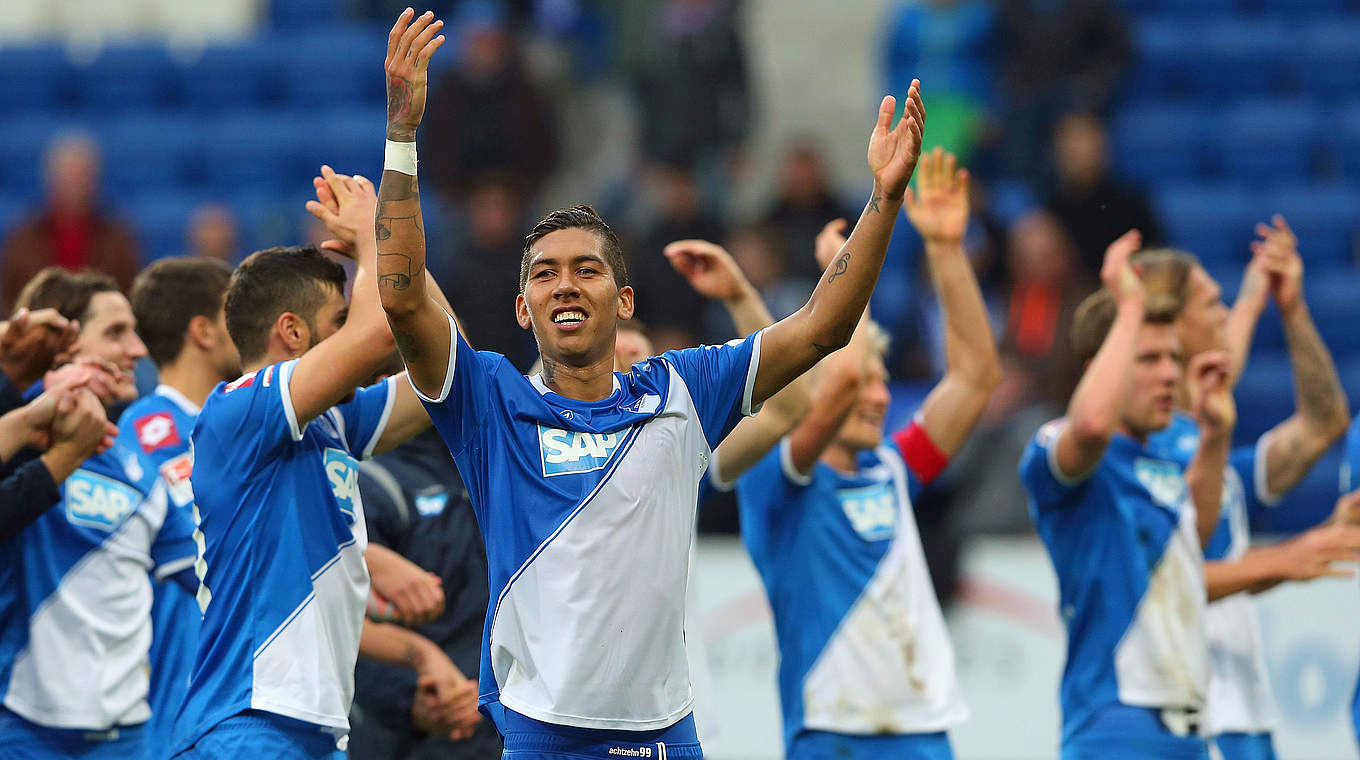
(543, 274)
(586, 271)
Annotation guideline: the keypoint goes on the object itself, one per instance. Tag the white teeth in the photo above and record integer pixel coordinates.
(569, 316)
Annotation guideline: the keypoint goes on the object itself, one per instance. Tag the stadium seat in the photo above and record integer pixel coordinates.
(1239, 58)
(338, 66)
(1343, 138)
(125, 77)
(23, 138)
(350, 140)
(1212, 221)
(1324, 217)
(1166, 53)
(1179, 8)
(1267, 141)
(35, 77)
(150, 152)
(160, 222)
(1264, 395)
(227, 77)
(1155, 143)
(1326, 61)
(254, 151)
(1294, 9)
(1011, 199)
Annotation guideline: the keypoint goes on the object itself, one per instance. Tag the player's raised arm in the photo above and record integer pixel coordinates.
(419, 324)
(793, 345)
(939, 212)
(1093, 414)
(711, 271)
(1211, 404)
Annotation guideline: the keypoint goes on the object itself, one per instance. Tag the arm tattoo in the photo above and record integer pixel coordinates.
(398, 108)
(873, 204)
(398, 277)
(398, 215)
(839, 267)
(1320, 396)
(407, 345)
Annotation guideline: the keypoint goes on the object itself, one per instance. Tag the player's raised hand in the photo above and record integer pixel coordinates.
(829, 242)
(1211, 400)
(347, 206)
(1117, 273)
(893, 151)
(709, 268)
(32, 341)
(1278, 252)
(409, 46)
(938, 208)
(1313, 553)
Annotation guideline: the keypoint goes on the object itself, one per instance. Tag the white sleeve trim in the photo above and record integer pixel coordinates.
(786, 464)
(1260, 481)
(1063, 479)
(448, 375)
(747, 407)
(170, 568)
(285, 378)
(383, 420)
(714, 479)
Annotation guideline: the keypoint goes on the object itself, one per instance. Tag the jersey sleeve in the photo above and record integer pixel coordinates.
(1250, 463)
(251, 420)
(1045, 482)
(721, 381)
(923, 458)
(458, 410)
(366, 416)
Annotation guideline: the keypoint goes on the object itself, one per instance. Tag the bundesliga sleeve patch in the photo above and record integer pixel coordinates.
(156, 431)
(176, 472)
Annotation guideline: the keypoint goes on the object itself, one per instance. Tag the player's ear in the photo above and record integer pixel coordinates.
(294, 333)
(522, 312)
(201, 331)
(625, 310)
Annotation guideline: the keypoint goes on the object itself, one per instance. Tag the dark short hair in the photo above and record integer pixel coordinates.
(274, 281)
(69, 293)
(167, 296)
(1096, 313)
(580, 217)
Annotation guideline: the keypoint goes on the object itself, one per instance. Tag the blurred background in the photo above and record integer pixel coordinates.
(136, 129)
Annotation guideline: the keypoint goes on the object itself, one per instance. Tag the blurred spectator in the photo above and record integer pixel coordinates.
(762, 256)
(484, 114)
(804, 205)
(951, 45)
(71, 231)
(484, 273)
(1093, 206)
(1060, 56)
(692, 88)
(212, 233)
(670, 307)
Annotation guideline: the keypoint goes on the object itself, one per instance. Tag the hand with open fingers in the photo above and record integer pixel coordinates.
(102, 378)
(409, 46)
(1278, 251)
(829, 242)
(1117, 273)
(1315, 552)
(347, 206)
(31, 342)
(938, 207)
(1211, 399)
(709, 269)
(1347, 509)
(893, 152)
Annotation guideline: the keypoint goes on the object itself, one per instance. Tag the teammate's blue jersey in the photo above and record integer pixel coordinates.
(75, 601)
(1130, 572)
(282, 537)
(1350, 480)
(587, 511)
(862, 641)
(158, 427)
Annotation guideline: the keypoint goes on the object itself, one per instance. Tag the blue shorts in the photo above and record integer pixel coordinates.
(260, 735)
(808, 745)
(1245, 746)
(1131, 733)
(21, 739)
(529, 739)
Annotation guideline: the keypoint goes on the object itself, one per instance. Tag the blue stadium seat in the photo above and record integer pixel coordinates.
(1196, 9)
(1211, 220)
(1327, 59)
(1343, 137)
(1011, 199)
(1240, 58)
(350, 140)
(1294, 9)
(1324, 218)
(23, 139)
(227, 77)
(254, 151)
(335, 66)
(161, 221)
(1267, 141)
(303, 14)
(125, 77)
(150, 152)
(1156, 143)
(1264, 395)
(1166, 54)
(35, 77)
(1310, 503)
(12, 209)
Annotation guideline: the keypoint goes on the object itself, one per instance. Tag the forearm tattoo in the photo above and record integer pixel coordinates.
(398, 108)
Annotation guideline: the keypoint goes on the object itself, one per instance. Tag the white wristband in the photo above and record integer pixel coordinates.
(400, 157)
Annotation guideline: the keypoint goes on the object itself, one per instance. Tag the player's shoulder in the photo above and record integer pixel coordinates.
(230, 398)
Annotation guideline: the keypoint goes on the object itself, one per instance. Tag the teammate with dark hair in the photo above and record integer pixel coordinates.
(584, 479)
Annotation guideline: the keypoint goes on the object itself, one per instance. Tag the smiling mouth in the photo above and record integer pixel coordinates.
(569, 319)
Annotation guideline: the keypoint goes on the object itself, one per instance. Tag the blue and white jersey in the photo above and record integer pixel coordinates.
(1240, 698)
(1130, 572)
(157, 426)
(587, 510)
(862, 641)
(282, 537)
(75, 605)
(1350, 480)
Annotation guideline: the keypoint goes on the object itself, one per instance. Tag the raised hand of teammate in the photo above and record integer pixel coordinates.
(31, 342)
(893, 152)
(829, 242)
(709, 269)
(938, 207)
(1117, 273)
(1278, 254)
(409, 46)
(346, 205)
(1211, 401)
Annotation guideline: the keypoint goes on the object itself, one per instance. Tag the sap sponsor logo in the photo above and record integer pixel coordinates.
(431, 504)
(631, 751)
(343, 473)
(1163, 481)
(99, 502)
(871, 510)
(645, 404)
(156, 431)
(567, 451)
(176, 472)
